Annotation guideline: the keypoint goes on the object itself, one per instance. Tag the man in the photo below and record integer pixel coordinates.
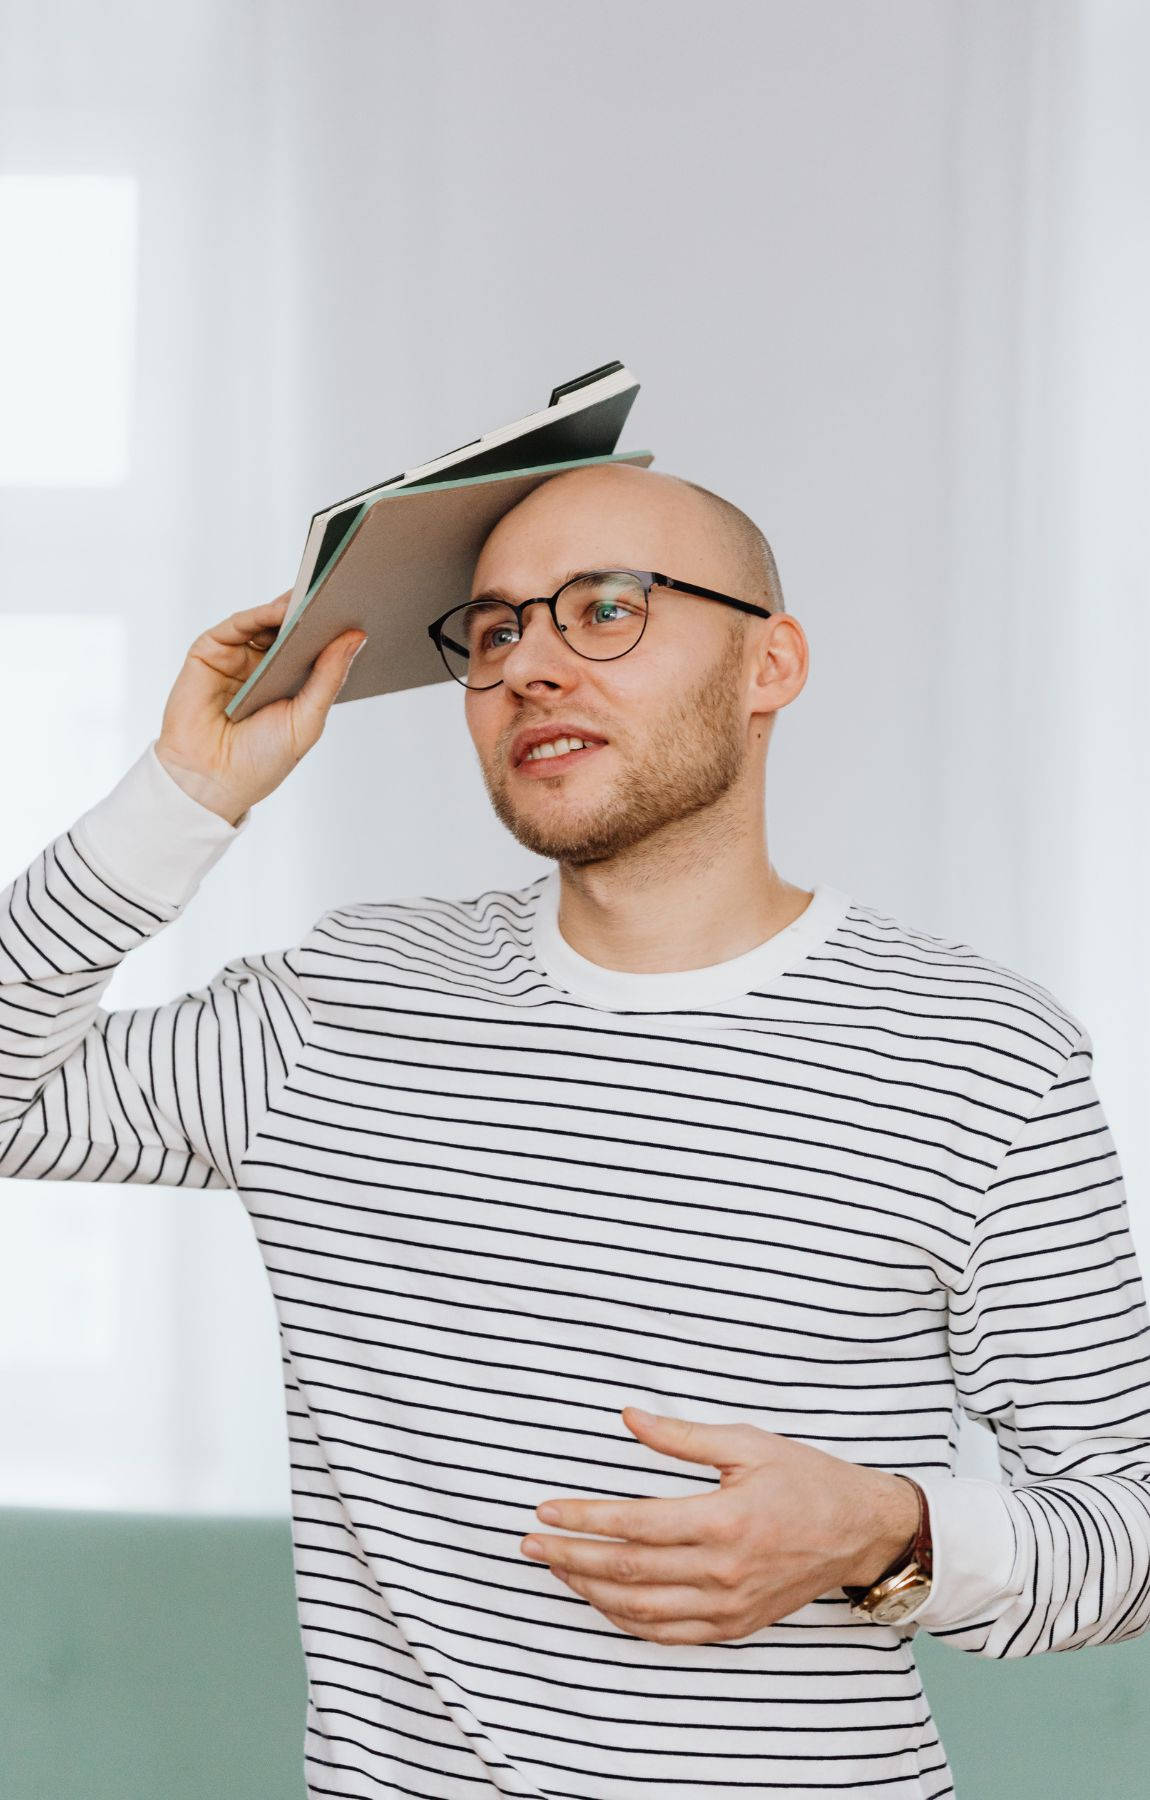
(660, 1189)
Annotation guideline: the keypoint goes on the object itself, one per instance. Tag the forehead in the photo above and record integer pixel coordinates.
(595, 518)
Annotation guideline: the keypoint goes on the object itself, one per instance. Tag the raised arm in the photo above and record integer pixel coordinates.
(1050, 1342)
(172, 1093)
(151, 1094)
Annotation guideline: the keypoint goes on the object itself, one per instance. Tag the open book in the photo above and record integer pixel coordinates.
(583, 417)
(410, 553)
(391, 558)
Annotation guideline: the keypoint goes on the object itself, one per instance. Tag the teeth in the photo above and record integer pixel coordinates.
(557, 747)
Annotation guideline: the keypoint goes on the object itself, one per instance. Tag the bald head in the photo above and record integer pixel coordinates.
(723, 548)
(749, 549)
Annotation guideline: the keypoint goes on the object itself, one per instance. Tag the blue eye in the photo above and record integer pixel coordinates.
(610, 612)
(491, 639)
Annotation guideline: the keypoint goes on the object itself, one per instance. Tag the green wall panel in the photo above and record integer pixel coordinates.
(157, 1658)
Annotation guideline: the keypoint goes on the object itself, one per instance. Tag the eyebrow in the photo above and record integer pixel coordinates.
(502, 594)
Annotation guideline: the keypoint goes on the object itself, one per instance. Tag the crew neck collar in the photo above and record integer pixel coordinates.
(621, 990)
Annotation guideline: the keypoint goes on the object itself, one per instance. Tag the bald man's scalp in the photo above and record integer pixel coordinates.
(743, 547)
(752, 554)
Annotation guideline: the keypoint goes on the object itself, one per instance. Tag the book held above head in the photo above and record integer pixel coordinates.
(390, 559)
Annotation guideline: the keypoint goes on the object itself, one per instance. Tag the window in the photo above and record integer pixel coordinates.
(67, 321)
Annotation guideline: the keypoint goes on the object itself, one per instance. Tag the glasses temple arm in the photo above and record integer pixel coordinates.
(689, 587)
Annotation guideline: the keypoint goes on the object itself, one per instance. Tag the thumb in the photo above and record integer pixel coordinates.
(722, 1446)
(355, 646)
(329, 672)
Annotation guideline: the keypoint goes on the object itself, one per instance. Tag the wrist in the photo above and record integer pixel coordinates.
(890, 1524)
(204, 789)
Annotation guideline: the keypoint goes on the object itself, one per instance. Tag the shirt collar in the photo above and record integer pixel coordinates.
(674, 989)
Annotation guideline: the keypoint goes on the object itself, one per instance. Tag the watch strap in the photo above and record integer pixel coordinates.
(917, 1553)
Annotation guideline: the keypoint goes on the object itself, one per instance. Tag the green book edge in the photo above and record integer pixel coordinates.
(423, 488)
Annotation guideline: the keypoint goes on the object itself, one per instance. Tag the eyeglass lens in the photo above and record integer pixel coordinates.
(600, 616)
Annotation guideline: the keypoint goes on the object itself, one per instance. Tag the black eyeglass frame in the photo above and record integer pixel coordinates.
(648, 578)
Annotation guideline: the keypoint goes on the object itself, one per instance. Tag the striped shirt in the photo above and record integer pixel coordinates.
(839, 1187)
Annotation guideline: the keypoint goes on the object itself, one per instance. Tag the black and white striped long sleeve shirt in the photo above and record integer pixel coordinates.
(839, 1187)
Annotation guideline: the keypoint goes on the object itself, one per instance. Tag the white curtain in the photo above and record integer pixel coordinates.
(1041, 679)
(882, 267)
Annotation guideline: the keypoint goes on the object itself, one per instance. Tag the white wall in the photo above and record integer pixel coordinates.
(880, 266)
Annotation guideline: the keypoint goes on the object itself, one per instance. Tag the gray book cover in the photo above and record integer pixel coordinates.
(406, 557)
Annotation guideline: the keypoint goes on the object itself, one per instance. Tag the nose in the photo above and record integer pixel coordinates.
(540, 654)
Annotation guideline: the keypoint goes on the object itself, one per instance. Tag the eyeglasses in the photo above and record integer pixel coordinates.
(600, 614)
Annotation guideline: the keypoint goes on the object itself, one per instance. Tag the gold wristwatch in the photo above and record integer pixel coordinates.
(906, 1583)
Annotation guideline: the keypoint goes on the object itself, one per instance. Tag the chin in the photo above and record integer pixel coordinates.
(555, 822)
(563, 840)
(586, 835)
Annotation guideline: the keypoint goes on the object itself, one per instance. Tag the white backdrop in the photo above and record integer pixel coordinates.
(883, 268)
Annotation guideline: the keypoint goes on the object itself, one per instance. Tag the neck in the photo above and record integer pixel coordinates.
(696, 893)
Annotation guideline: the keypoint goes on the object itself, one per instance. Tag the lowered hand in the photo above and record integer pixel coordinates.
(786, 1524)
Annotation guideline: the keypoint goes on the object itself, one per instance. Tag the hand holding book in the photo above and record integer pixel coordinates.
(255, 690)
(390, 559)
(229, 767)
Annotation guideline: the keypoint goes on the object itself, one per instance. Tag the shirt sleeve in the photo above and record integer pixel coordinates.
(167, 1094)
(1050, 1344)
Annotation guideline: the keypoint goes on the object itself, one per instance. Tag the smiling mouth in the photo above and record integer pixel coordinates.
(552, 758)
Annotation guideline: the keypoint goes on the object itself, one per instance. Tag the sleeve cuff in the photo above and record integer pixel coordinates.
(148, 835)
(975, 1552)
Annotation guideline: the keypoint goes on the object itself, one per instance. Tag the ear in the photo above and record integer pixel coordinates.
(780, 659)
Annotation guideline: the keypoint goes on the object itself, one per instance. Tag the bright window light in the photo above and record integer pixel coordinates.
(67, 323)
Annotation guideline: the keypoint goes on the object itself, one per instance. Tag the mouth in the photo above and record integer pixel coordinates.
(542, 756)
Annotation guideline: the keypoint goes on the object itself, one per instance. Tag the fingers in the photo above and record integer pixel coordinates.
(685, 1520)
(700, 1565)
(655, 1607)
(243, 625)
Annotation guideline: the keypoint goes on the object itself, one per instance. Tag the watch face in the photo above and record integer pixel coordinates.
(893, 1607)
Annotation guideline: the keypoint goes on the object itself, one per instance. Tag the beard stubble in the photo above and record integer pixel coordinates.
(690, 761)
